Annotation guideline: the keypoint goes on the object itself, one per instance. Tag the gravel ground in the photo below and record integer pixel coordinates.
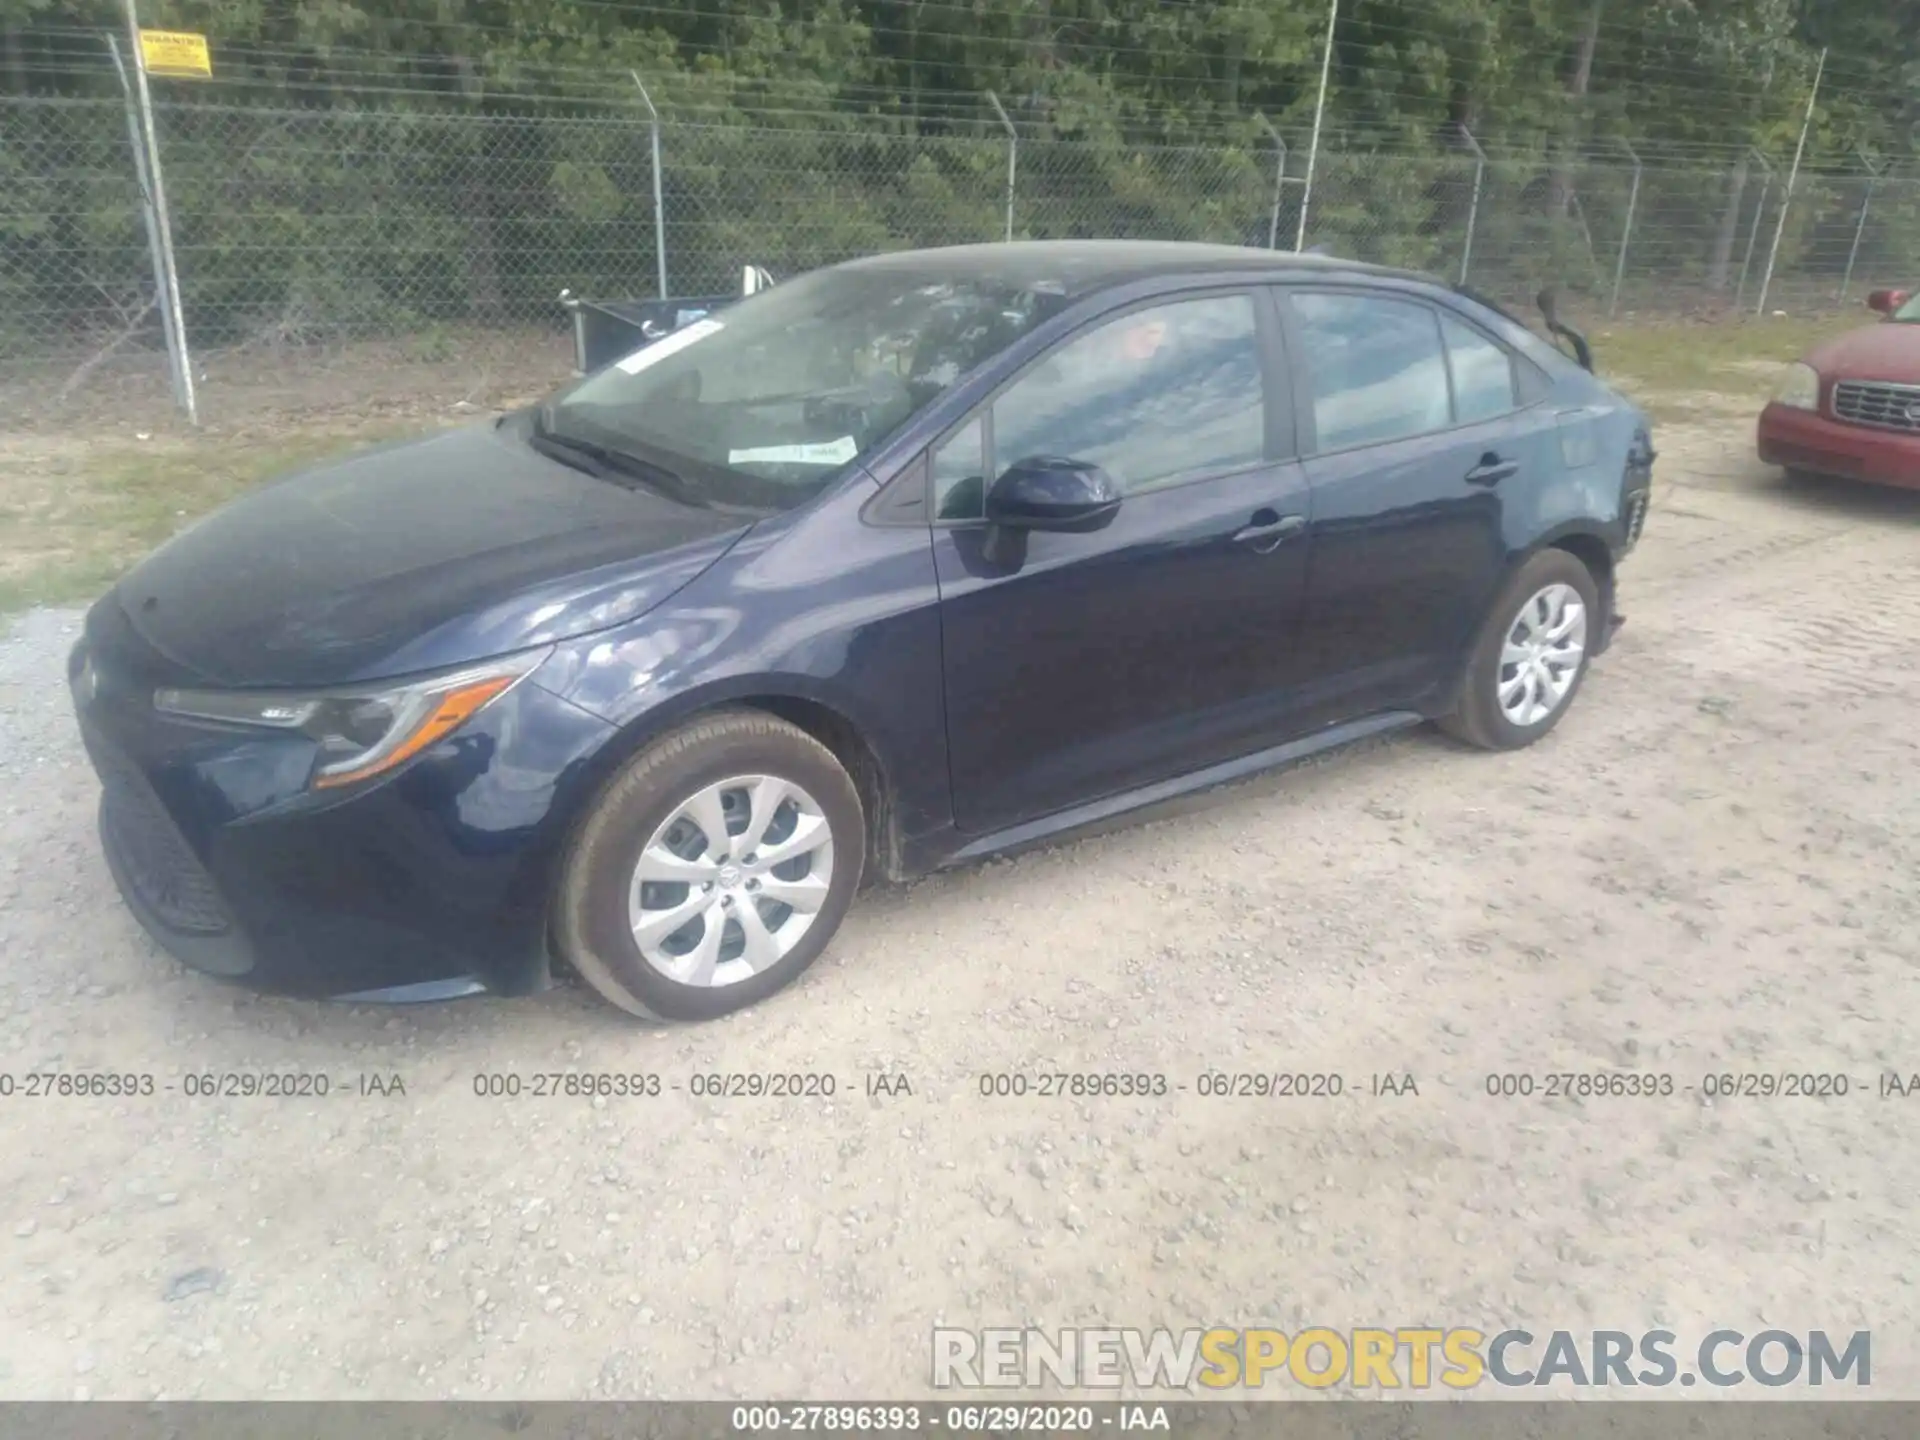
(1707, 868)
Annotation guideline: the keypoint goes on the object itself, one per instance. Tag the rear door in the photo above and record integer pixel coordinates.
(1416, 443)
(1165, 642)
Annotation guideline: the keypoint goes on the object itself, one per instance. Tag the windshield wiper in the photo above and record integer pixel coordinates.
(606, 462)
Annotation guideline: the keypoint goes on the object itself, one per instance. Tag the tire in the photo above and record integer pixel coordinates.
(1478, 717)
(595, 914)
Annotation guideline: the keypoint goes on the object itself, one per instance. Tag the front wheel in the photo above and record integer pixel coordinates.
(1531, 656)
(714, 870)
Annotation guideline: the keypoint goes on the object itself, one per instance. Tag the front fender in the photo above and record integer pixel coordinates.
(815, 616)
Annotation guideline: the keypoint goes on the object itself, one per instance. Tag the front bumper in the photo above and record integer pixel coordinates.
(1807, 440)
(432, 882)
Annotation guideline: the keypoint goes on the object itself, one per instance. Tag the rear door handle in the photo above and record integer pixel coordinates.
(1491, 470)
(1268, 529)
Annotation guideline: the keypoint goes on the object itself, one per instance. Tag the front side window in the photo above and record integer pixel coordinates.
(765, 402)
(1375, 366)
(1150, 397)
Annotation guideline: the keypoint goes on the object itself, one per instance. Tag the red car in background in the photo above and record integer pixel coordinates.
(1851, 407)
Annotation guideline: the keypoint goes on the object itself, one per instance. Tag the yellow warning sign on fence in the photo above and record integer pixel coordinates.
(172, 52)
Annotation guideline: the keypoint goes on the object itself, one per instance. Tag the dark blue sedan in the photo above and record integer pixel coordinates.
(895, 565)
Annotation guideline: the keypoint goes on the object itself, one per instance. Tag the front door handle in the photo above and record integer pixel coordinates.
(1268, 529)
(1491, 470)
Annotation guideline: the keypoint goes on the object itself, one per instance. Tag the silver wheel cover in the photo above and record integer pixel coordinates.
(731, 880)
(1541, 654)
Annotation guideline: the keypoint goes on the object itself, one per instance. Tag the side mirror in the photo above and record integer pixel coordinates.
(1052, 492)
(1887, 301)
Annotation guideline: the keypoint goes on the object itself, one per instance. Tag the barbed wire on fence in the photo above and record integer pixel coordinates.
(384, 214)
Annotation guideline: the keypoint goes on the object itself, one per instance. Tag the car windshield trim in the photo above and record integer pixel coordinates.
(597, 459)
(619, 460)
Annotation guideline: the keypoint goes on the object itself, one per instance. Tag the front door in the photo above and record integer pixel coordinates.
(1164, 643)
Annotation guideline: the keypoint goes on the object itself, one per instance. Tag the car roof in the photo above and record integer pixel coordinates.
(1080, 267)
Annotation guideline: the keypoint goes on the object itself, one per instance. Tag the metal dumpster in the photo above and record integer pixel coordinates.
(608, 330)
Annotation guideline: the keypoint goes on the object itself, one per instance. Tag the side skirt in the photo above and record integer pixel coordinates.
(1050, 827)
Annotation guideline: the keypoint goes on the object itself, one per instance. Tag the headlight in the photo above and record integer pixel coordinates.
(1799, 387)
(367, 730)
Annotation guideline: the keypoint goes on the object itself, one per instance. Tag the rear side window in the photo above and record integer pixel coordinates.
(1376, 368)
(1482, 373)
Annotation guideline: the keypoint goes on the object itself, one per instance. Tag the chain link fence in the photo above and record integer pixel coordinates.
(378, 231)
(75, 269)
(297, 227)
(793, 200)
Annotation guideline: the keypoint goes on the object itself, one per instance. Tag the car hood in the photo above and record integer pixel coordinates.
(413, 556)
(1888, 351)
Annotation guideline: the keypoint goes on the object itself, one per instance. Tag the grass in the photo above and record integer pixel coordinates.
(74, 514)
(1679, 370)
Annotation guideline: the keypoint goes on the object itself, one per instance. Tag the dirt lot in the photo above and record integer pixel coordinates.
(1708, 868)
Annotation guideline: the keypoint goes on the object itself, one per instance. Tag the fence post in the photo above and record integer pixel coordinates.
(1279, 179)
(659, 209)
(1473, 207)
(1626, 232)
(151, 225)
(1013, 154)
(1786, 198)
(1753, 231)
(169, 276)
(1859, 229)
(1319, 113)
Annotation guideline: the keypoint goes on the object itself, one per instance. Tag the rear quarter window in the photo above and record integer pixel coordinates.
(1541, 364)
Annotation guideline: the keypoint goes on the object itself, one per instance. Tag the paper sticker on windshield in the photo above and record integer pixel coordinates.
(661, 349)
(826, 452)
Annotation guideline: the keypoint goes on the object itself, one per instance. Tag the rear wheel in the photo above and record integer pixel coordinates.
(714, 870)
(1531, 656)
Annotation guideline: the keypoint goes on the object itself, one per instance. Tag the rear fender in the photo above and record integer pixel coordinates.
(1587, 543)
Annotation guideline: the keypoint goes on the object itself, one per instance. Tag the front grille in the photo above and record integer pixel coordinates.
(153, 855)
(1879, 403)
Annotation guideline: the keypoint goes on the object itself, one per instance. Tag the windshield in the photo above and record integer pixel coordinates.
(764, 403)
(1910, 311)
